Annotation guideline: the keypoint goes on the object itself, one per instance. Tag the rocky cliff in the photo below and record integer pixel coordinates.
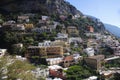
(41, 6)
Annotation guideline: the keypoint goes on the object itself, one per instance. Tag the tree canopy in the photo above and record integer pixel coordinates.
(77, 73)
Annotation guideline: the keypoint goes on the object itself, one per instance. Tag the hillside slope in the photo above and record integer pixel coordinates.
(53, 8)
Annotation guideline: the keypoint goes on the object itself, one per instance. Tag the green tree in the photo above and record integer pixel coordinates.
(18, 50)
(58, 28)
(116, 76)
(77, 72)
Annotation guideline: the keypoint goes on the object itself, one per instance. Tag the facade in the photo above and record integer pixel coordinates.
(36, 51)
(54, 61)
(96, 35)
(42, 30)
(9, 22)
(72, 30)
(90, 51)
(77, 58)
(92, 43)
(71, 60)
(2, 52)
(63, 44)
(45, 44)
(52, 26)
(55, 43)
(8, 25)
(60, 43)
(94, 61)
(56, 71)
(91, 29)
(29, 26)
(19, 27)
(107, 74)
(68, 61)
(75, 39)
(23, 18)
(39, 72)
(45, 18)
(62, 37)
(76, 16)
(19, 45)
(53, 51)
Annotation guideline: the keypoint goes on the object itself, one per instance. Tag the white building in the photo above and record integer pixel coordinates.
(55, 67)
(92, 78)
(19, 45)
(54, 61)
(45, 43)
(20, 27)
(2, 52)
(23, 18)
(44, 18)
(53, 43)
(61, 35)
(75, 39)
(90, 51)
(39, 72)
(20, 58)
(77, 57)
(42, 30)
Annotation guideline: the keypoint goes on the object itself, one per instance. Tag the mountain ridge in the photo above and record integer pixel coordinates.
(113, 29)
(40, 6)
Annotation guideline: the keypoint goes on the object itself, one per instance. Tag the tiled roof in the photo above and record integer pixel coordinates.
(68, 58)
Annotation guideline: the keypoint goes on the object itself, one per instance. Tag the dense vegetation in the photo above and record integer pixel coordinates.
(15, 69)
(79, 72)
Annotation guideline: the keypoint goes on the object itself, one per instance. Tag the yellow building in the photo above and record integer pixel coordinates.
(36, 51)
(51, 51)
(60, 43)
(29, 26)
(54, 51)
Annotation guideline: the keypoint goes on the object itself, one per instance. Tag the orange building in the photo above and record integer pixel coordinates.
(91, 29)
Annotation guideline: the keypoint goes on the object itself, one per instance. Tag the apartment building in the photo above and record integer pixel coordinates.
(23, 18)
(63, 44)
(50, 51)
(95, 62)
(72, 30)
(36, 51)
(54, 51)
(2, 52)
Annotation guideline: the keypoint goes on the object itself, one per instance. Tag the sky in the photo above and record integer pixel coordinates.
(108, 11)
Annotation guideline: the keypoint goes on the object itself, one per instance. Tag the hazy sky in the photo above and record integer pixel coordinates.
(108, 11)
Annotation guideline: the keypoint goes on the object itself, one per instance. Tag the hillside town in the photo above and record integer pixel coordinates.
(55, 49)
